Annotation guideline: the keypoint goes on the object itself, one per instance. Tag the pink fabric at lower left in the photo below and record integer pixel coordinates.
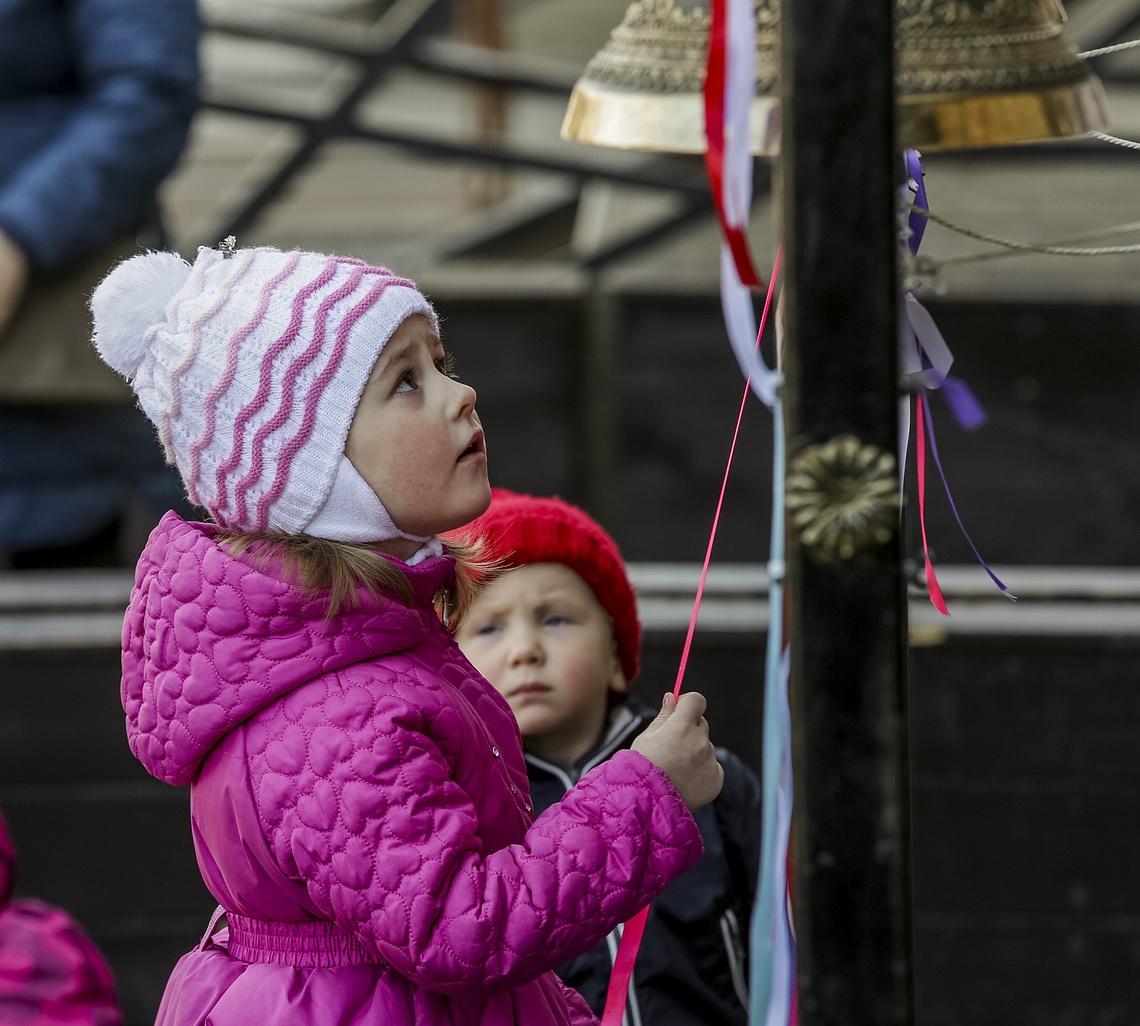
(51, 973)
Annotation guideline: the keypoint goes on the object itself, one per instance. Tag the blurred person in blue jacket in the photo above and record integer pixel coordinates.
(96, 97)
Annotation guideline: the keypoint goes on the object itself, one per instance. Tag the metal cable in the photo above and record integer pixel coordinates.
(1012, 246)
(1109, 49)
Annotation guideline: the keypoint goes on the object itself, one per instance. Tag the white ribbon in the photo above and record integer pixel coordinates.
(740, 321)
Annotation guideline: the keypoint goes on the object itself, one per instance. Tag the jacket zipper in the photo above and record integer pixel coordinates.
(734, 947)
(632, 1015)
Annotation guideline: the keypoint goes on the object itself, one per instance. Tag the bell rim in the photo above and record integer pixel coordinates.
(674, 123)
(955, 121)
(656, 122)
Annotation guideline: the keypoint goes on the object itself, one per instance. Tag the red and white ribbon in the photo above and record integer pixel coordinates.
(730, 86)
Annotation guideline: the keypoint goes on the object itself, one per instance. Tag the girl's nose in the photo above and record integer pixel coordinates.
(464, 398)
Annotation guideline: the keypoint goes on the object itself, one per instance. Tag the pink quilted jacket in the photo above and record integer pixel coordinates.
(51, 974)
(360, 807)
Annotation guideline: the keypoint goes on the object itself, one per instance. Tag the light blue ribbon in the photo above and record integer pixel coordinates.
(771, 947)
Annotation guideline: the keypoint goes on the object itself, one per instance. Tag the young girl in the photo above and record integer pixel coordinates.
(359, 802)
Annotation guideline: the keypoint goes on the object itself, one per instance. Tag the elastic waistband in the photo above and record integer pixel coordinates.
(318, 944)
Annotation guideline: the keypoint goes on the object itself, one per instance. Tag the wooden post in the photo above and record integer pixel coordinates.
(851, 850)
(481, 22)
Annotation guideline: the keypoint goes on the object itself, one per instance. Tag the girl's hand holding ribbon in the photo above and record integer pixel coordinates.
(677, 742)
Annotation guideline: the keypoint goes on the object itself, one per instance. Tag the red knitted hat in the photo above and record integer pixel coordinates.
(521, 529)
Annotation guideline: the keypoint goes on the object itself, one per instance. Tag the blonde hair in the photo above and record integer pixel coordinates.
(342, 570)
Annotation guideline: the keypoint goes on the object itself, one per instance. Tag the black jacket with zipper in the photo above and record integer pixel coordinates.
(692, 967)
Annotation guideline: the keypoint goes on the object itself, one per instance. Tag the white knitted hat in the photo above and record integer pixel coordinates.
(251, 366)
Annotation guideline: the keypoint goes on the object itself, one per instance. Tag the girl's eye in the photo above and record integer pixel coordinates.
(407, 382)
(555, 620)
(446, 364)
(486, 629)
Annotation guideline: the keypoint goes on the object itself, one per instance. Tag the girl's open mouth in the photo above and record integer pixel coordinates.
(476, 448)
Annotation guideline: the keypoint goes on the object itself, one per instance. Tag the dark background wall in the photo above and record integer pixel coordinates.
(1053, 477)
(94, 833)
(1026, 789)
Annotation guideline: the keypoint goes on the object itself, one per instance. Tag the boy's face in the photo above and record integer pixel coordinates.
(539, 635)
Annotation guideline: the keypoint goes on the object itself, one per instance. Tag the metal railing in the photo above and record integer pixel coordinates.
(84, 608)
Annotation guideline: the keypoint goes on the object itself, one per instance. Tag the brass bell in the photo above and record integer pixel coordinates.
(969, 73)
(988, 73)
(642, 90)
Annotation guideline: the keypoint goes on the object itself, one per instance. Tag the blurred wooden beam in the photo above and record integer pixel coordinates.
(848, 624)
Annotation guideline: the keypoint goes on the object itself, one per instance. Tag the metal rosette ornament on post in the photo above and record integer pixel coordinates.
(843, 498)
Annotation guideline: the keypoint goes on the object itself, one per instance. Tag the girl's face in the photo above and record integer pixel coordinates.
(415, 437)
(542, 639)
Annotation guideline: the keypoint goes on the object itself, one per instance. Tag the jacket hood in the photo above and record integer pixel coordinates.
(210, 640)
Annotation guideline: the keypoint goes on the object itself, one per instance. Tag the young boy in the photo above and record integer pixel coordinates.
(557, 634)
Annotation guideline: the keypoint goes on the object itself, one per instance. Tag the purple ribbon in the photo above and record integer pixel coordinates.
(963, 403)
(916, 222)
(925, 354)
(925, 357)
(946, 484)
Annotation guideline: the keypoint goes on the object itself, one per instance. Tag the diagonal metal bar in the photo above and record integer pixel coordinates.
(540, 229)
(400, 35)
(434, 54)
(273, 25)
(504, 156)
(695, 208)
(389, 38)
(494, 67)
(672, 176)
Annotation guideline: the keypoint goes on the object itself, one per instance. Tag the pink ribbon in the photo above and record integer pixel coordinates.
(932, 585)
(618, 991)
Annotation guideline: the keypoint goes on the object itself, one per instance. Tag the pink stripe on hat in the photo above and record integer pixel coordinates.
(233, 350)
(192, 351)
(288, 386)
(265, 379)
(147, 368)
(293, 446)
(391, 277)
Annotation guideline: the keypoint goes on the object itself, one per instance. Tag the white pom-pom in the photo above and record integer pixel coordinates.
(129, 301)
